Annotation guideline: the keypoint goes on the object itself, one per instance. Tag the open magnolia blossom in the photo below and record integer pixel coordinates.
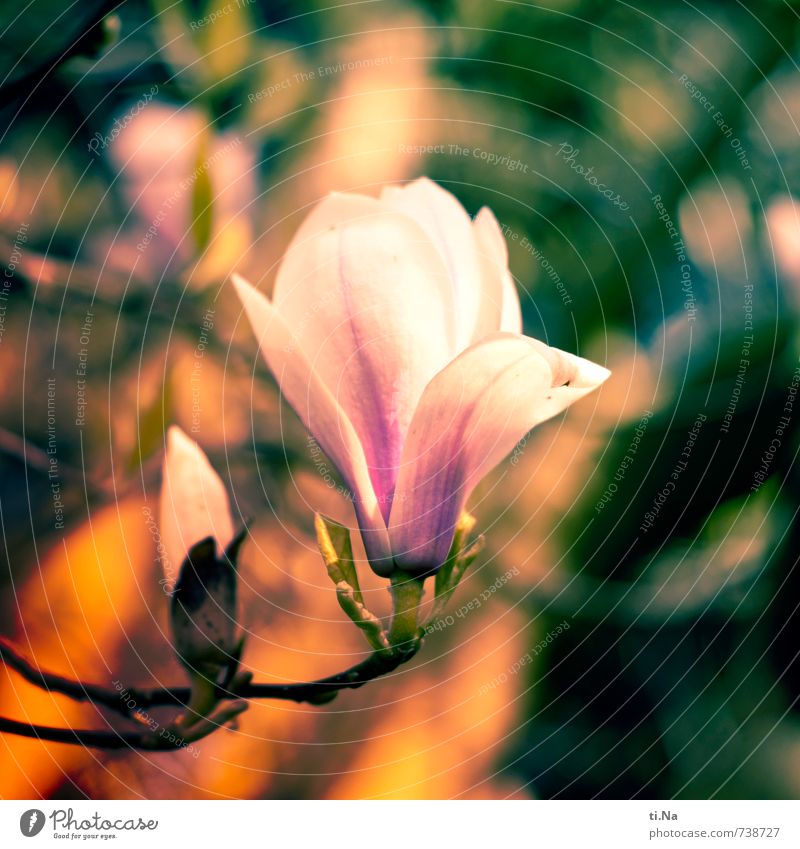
(394, 332)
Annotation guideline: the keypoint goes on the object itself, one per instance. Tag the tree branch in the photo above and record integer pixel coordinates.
(129, 701)
(93, 739)
(325, 689)
(54, 683)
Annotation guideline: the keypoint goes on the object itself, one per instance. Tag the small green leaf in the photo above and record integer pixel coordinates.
(202, 201)
(226, 42)
(152, 426)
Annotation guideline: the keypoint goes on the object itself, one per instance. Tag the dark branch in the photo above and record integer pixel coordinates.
(128, 700)
(94, 739)
(54, 683)
(324, 689)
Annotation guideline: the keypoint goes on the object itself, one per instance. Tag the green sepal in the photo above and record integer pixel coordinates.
(461, 556)
(334, 544)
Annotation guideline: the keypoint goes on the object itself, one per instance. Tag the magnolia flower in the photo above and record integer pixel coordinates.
(194, 505)
(395, 333)
(199, 553)
(783, 227)
(175, 171)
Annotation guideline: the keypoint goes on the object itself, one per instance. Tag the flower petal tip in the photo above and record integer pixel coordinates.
(591, 375)
(243, 287)
(178, 442)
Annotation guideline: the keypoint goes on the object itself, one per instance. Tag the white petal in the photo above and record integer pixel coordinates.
(318, 410)
(446, 221)
(471, 415)
(369, 301)
(194, 504)
(500, 309)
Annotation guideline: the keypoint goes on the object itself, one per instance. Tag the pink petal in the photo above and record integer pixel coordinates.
(500, 309)
(470, 417)
(194, 504)
(447, 223)
(319, 411)
(368, 299)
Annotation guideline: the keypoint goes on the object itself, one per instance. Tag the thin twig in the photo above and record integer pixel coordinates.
(128, 701)
(316, 692)
(77, 737)
(54, 683)
(122, 701)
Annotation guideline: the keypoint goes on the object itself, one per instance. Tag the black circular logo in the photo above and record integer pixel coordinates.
(31, 822)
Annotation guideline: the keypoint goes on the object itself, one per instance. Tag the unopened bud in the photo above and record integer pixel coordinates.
(200, 554)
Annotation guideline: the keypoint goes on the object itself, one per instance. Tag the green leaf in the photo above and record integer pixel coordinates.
(202, 201)
(225, 41)
(152, 426)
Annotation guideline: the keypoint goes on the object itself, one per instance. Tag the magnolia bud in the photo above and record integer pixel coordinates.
(200, 558)
(194, 505)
